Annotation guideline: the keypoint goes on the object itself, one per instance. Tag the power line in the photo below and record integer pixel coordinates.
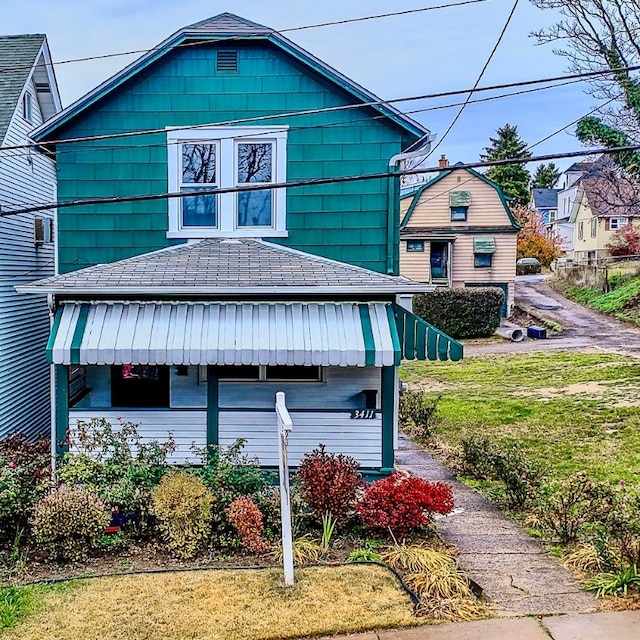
(361, 105)
(86, 149)
(267, 30)
(477, 82)
(314, 181)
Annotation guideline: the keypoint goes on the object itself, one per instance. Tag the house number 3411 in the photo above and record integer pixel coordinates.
(363, 414)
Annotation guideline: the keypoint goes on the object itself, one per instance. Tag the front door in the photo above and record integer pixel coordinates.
(439, 261)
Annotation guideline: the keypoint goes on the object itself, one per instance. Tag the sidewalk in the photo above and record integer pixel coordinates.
(624, 625)
(518, 577)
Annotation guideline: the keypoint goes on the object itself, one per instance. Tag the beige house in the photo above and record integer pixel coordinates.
(605, 202)
(457, 231)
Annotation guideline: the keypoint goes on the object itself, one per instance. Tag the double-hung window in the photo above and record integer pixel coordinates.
(243, 163)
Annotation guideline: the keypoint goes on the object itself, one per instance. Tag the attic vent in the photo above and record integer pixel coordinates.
(227, 60)
(42, 231)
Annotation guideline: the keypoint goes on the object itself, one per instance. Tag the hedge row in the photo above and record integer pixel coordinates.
(461, 313)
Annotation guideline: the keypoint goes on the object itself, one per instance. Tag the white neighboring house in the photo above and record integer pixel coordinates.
(562, 226)
(28, 96)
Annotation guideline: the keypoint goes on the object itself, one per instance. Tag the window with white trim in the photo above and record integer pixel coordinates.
(617, 223)
(202, 160)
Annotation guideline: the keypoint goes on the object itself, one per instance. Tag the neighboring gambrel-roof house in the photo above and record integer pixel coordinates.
(191, 312)
(457, 231)
(28, 96)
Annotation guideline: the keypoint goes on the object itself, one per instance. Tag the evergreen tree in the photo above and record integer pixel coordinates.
(512, 178)
(546, 176)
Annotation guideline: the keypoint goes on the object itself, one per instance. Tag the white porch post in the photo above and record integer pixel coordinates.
(284, 426)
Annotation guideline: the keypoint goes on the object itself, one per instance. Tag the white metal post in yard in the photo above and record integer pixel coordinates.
(284, 426)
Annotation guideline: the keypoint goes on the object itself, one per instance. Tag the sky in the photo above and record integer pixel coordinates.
(400, 56)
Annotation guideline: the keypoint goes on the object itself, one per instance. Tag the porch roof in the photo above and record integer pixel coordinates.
(304, 333)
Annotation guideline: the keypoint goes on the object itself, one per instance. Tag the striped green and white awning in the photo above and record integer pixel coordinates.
(314, 334)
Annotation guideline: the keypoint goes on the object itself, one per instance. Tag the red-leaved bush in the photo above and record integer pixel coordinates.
(244, 515)
(402, 504)
(329, 482)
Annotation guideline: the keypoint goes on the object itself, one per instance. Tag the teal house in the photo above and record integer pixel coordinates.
(200, 268)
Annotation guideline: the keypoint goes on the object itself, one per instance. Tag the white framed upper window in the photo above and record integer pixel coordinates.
(27, 107)
(201, 160)
(617, 223)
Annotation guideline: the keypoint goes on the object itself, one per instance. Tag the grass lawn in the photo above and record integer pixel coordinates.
(571, 411)
(225, 605)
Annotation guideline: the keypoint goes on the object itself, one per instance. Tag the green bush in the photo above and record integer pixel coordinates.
(230, 474)
(117, 465)
(182, 503)
(477, 457)
(69, 522)
(471, 312)
(417, 414)
(569, 507)
(24, 479)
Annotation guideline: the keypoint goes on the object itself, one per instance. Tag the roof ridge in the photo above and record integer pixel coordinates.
(227, 15)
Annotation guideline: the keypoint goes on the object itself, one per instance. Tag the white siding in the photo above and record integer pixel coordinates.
(189, 428)
(361, 439)
(25, 178)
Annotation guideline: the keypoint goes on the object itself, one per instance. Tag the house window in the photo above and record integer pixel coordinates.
(267, 373)
(27, 107)
(580, 230)
(594, 227)
(140, 386)
(617, 223)
(553, 214)
(202, 160)
(459, 214)
(481, 260)
(415, 245)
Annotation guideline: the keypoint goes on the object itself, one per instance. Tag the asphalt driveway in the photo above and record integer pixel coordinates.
(582, 328)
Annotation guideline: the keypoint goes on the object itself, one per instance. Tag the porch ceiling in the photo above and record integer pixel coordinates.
(314, 334)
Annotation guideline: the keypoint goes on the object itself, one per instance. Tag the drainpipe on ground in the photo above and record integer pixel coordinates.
(394, 164)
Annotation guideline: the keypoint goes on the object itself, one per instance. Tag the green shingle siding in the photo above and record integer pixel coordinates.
(343, 221)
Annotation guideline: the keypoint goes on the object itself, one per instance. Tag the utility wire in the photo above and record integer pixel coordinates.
(477, 82)
(427, 96)
(313, 181)
(268, 30)
(90, 149)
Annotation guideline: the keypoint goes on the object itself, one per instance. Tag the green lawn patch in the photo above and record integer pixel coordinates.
(570, 411)
(19, 602)
(622, 302)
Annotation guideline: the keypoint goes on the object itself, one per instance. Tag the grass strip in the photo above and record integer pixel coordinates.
(226, 605)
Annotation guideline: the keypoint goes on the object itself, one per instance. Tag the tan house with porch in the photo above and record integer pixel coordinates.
(457, 231)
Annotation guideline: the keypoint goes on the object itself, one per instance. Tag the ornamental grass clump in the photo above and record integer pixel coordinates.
(182, 505)
(329, 483)
(69, 522)
(246, 518)
(403, 504)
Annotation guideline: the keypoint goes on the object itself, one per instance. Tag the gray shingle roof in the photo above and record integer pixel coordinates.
(17, 56)
(545, 198)
(219, 266)
(229, 23)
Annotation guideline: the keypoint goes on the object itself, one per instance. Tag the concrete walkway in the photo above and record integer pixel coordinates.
(624, 625)
(517, 576)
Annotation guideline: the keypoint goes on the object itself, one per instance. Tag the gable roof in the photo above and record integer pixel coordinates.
(545, 198)
(224, 267)
(611, 200)
(17, 57)
(446, 172)
(227, 26)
